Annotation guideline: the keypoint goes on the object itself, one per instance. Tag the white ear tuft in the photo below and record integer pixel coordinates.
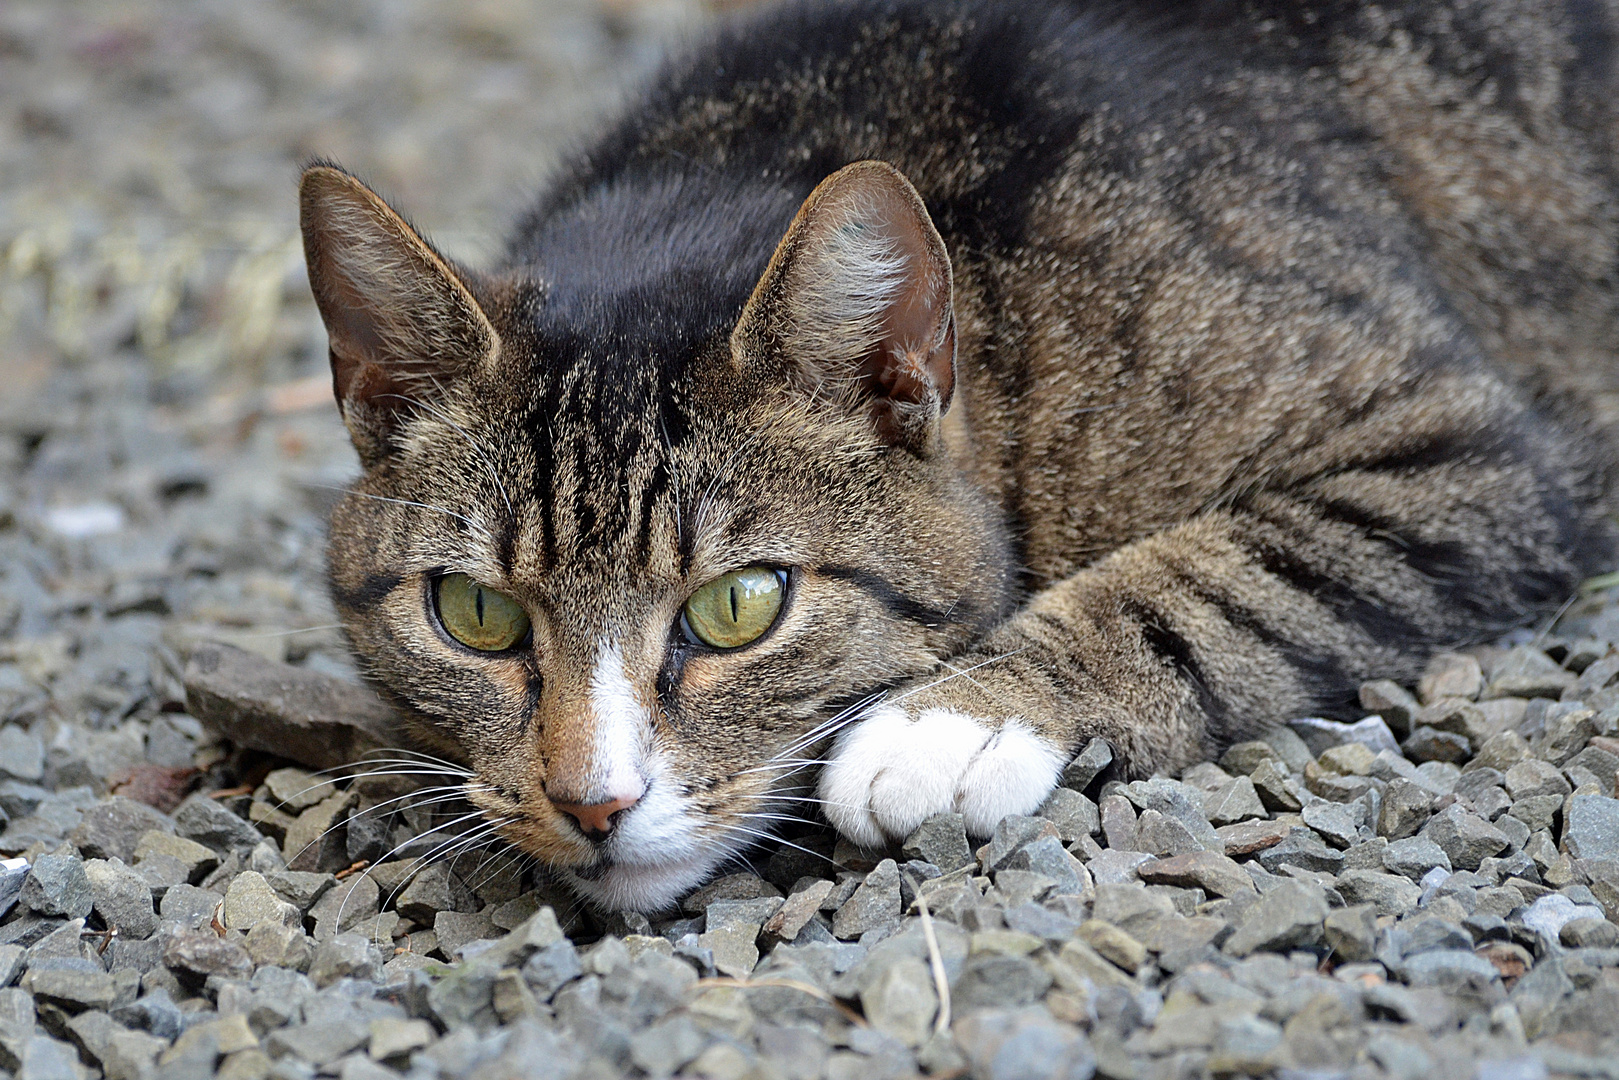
(841, 300)
(857, 299)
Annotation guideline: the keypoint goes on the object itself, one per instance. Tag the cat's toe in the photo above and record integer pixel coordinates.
(876, 754)
(893, 771)
(1012, 774)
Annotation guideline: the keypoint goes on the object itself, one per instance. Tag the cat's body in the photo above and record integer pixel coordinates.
(1283, 351)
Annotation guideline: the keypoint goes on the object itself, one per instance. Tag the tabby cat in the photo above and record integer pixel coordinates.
(903, 393)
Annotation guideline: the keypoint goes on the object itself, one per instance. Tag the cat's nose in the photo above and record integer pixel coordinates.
(597, 820)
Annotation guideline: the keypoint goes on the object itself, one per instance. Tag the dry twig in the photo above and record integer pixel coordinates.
(941, 984)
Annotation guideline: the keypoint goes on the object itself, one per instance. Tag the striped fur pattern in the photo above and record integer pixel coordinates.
(1242, 351)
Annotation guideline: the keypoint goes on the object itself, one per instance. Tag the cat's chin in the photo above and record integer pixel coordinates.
(645, 888)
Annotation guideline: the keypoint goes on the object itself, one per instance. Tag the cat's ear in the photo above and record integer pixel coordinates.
(400, 319)
(857, 301)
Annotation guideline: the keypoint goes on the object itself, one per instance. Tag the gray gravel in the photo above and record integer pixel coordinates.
(1432, 892)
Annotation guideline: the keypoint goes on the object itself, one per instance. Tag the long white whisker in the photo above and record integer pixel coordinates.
(476, 869)
(492, 857)
(478, 526)
(743, 830)
(765, 820)
(454, 847)
(773, 815)
(403, 767)
(418, 755)
(426, 768)
(759, 834)
(481, 830)
(408, 795)
(797, 847)
(359, 771)
(960, 673)
(813, 800)
(446, 795)
(289, 633)
(398, 767)
(790, 763)
(488, 825)
(411, 870)
(859, 710)
(830, 726)
(472, 840)
(781, 782)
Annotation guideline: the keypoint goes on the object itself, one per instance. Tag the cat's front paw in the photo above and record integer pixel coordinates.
(896, 769)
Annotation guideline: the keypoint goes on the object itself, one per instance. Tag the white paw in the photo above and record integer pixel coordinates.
(891, 772)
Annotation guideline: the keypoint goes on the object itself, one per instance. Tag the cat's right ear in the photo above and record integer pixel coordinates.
(400, 319)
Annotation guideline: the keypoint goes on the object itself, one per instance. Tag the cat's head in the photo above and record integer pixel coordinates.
(648, 512)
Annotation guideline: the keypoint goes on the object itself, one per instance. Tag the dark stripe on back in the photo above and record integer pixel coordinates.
(1282, 557)
(1473, 448)
(1456, 571)
(1321, 674)
(1447, 560)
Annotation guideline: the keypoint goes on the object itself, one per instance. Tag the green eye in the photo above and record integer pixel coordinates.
(734, 609)
(478, 617)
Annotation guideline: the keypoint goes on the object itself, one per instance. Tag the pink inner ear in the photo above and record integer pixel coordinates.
(398, 318)
(356, 346)
(856, 303)
(914, 355)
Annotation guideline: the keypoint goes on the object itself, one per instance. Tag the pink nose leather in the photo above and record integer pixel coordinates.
(596, 817)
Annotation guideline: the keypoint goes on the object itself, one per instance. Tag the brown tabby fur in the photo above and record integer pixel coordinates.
(1284, 352)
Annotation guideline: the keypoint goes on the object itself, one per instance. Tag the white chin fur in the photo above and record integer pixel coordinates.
(647, 888)
(890, 773)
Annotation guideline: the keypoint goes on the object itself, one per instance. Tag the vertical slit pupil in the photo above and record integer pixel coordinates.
(733, 602)
(478, 603)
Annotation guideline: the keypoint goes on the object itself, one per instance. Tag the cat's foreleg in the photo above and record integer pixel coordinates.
(1172, 647)
(988, 733)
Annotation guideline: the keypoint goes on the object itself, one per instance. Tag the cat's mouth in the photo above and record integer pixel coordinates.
(637, 876)
(649, 888)
(658, 851)
(595, 872)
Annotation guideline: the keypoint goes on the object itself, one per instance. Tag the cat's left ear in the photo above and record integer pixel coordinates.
(857, 301)
(401, 321)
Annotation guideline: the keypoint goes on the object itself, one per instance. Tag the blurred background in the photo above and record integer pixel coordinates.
(168, 443)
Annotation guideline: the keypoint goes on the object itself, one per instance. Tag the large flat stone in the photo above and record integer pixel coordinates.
(1290, 914)
(1466, 838)
(1211, 872)
(874, 904)
(295, 713)
(942, 841)
(1247, 837)
(112, 828)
